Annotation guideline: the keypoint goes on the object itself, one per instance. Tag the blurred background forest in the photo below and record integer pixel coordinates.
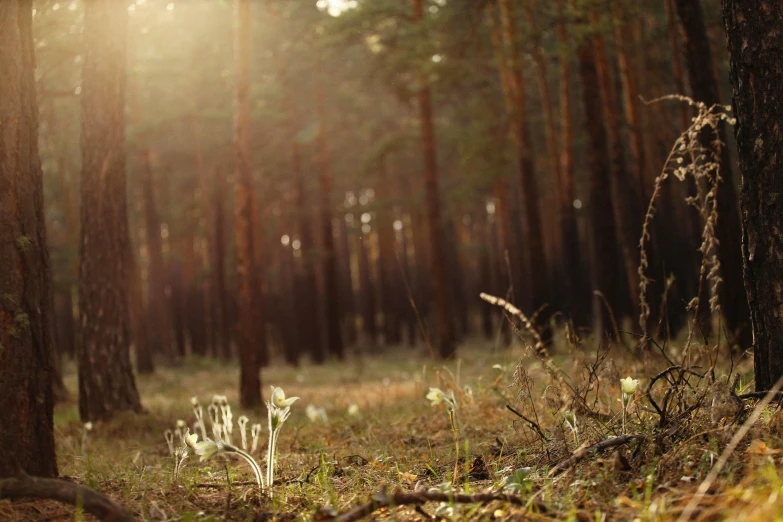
(399, 152)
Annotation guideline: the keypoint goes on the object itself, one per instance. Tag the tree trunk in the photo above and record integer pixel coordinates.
(222, 319)
(564, 290)
(757, 74)
(334, 339)
(250, 323)
(106, 382)
(606, 271)
(625, 199)
(388, 261)
(26, 399)
(144, 362)
(347, 299)
(704, 84)
(366, 290)
(157, 302)
(577, 299)
(445, 321)
(535, 283)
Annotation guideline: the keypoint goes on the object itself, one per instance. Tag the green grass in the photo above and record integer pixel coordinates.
(400, 441)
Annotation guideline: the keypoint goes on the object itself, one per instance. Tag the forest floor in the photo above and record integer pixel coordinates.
(399, 442)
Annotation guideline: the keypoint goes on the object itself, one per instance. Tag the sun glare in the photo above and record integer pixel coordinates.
(336, 7)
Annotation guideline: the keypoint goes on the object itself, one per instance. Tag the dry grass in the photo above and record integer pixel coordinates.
(400, 441)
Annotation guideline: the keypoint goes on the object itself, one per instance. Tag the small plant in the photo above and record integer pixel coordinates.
(436, 396)
(629, 387)
(518, 482)
(279, 410)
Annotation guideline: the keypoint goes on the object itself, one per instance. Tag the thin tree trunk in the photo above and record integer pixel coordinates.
(222, 319)
(605, 269)
(334, 339)
(346, 284)
(733, 300)
(388, 264)
(250, 322)
(26, 398)
(625, 199)
(536, 280)
(445, 324)
(366, 291)
(577, 296)
(757, 74)
(106, 382)
(144, 362)
(157, 303)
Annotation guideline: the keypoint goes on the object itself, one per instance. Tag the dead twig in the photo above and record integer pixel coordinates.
(67, 492)
(583, 452)
(532, 424)
(416, 498)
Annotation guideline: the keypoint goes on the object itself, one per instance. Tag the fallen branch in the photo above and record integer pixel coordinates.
(67, 492)
(583, 452)
(416, 498)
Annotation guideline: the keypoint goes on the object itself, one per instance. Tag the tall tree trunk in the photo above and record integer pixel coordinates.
(106, 382)
(577, 299)
(560, 263)
(347, 300)
(144, 362)
(625, 199)
(605, 269)
(388, 261)
(308, 300)
(536, 280)
(704, 84)
(250, 323)
(26, 399)
(157, 303)
(692, 217)
(624, 45)
(334, 339)
(445, 321)
(757, 74)
(366, 290)
(222, 319)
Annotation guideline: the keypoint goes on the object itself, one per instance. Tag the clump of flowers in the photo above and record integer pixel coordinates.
(629, 387)
(437, 396)
(222, 421)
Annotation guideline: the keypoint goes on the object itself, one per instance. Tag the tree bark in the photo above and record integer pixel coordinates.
(222, 319)
(576, 298)
(144, 362)
(704, 84)
(26, 398)
(250, 322)
(605, 269)
(536, 269)
(388, 261)
(445, 320)
(332, 304)
(625, 200)
(106, 382)
(157, 302)
(757, 74)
